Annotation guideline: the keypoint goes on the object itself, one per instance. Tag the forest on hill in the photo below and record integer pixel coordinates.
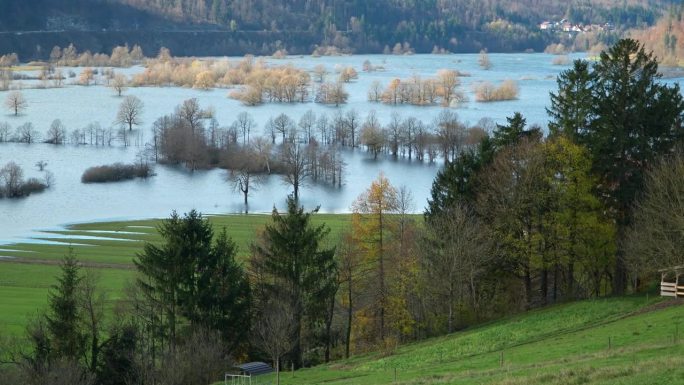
(263, 26)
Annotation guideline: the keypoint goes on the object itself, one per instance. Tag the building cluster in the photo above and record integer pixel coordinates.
(565, 26)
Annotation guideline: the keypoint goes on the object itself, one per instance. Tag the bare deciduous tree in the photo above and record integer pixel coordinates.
(274, 331)
(119, 84)
(245, 124)
(12, 177)
(26, 133)
(656, 240)
(307, 123)
(319, 73)
(130, 110)
(372, 135)
(191, 113)
(245, 175)
(57, 133)
(458, 249)
(16, 102)
(296, 167)
(5, 129)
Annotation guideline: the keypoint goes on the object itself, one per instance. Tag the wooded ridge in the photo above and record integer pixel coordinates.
(263, 26)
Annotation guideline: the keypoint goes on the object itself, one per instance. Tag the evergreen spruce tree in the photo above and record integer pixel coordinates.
(223, 293)
(290, 259)
(571, 108)
(189, 277)
(63, 315)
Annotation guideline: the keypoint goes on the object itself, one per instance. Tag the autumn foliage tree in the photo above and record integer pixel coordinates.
(371, 228)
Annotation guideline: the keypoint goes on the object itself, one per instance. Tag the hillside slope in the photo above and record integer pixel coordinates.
(261, 26)
(608, 341)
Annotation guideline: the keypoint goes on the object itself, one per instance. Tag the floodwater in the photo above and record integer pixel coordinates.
(70, 201)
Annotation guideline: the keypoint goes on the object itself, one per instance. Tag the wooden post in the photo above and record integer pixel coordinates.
(501, 359)
(395, 374)
(609, 344)
(676, 285)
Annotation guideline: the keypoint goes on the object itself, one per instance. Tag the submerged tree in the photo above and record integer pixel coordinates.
(130, 112)
(16, 102)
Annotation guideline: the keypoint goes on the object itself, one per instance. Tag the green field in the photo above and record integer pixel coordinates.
(566, 344)
(27, 275)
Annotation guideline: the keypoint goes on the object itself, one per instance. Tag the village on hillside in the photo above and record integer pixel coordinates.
(565, 26)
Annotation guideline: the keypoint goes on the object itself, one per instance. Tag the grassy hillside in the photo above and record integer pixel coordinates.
(566, 344)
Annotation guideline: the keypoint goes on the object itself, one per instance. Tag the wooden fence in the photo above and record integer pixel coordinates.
(670, 285)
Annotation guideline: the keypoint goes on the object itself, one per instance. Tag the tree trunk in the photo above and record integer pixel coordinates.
(328, 329)
(544, 286)
(528, 288)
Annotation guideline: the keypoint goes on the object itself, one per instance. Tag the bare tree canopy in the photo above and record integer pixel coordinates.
(119, 84)
(16, 102)
(130, 111)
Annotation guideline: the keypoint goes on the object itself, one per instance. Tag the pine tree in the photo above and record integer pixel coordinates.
(223, 293)
(190, 278)
(289, 259)
(63, 315)
(571, 108)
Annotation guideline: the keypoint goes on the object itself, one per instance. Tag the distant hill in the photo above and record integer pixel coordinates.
(262, 26)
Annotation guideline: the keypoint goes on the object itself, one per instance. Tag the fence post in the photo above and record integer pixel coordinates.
(501, 359)
(395, 374)
(609, 344)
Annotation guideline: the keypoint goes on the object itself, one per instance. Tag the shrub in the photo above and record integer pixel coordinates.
(13, 185)
(115, 172)
(488, 92)
(32, 185)
(560, 60)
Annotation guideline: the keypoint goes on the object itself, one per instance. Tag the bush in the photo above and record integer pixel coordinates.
(13, 185)
(561, 60)
(488, 92)
(32, 185)
(115, 172)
